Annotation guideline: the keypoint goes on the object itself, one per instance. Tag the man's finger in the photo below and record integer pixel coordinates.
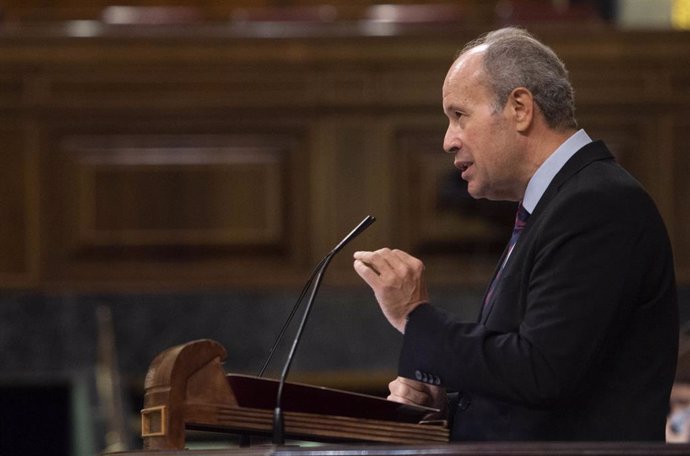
(370, 266)
(378, 260)
(409, 391)
(400, 399)
(367, 272)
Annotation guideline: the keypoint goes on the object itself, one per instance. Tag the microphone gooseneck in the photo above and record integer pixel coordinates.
(354, 233)
(293, 311)
(278, 419)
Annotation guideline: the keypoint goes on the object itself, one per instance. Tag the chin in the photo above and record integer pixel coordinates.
(476, 193)
(488, 196)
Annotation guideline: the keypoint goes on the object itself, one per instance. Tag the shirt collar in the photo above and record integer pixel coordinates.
(552, 165)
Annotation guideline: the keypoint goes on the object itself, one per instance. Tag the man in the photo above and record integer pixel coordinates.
(577, 336)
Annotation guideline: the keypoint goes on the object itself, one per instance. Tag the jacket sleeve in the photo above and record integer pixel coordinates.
(565, 297)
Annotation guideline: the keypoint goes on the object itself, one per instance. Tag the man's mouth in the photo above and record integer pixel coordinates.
(463, 166)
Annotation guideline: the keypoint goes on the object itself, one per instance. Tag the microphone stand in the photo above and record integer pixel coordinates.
(278, 418)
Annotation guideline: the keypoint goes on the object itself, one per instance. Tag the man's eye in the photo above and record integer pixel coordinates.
(458, 114)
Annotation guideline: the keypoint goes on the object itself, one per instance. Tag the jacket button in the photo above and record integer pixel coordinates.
(437, 380)
(418, 375)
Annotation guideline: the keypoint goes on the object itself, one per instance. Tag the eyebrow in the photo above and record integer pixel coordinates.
(453, 107)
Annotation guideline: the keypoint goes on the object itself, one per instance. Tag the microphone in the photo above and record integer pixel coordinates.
(289, 318)
(316, 276)
(354, 233)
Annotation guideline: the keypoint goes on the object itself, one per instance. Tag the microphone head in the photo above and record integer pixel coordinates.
(363, 225)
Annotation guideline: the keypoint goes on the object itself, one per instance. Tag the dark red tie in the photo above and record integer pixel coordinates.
(520, 222)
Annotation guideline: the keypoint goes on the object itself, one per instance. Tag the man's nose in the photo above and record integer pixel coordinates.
(451, 143)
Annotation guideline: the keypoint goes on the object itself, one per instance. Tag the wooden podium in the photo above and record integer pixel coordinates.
(187, 388)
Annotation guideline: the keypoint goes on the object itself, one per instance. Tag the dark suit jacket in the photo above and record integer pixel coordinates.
(579, 340)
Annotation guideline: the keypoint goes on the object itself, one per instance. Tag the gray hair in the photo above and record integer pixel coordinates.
(514, 58)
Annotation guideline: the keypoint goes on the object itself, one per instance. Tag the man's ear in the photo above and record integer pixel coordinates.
(521, 103)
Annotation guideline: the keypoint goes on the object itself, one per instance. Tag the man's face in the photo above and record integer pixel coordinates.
(484, 142)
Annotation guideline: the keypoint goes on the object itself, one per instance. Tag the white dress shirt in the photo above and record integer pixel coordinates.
(547, 171)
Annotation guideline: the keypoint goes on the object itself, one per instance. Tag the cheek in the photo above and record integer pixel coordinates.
(498, 145)
(488, 152)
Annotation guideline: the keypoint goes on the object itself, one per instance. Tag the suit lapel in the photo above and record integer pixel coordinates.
(484, 309)
(590, 153)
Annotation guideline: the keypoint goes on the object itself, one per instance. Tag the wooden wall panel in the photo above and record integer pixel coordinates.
(17, 206)
(156, 191)
(224, 157)
(681, 196)
(174, 87)
(352, 178)
(476, 11)
(12, 86)
(205, 207)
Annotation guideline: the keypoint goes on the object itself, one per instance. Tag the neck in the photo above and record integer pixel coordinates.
(549, 142)
(541, 143)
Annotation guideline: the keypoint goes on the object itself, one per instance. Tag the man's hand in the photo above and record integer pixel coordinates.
(397, 280)
(413, 392)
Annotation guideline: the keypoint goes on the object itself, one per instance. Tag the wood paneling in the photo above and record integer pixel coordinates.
(238, 156)
(165, 208)
(223, 10)
(176, 190)
(681, 201)
(17, 206)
